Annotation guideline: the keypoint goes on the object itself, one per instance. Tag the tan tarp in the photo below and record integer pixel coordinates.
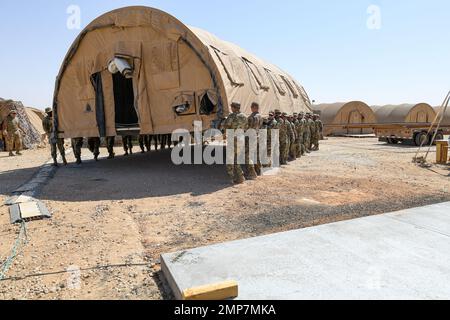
(173, 64)
(354, 112)
(409, 113)
(36, 116)
(33, 137)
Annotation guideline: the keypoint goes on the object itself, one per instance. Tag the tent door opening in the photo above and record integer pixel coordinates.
(126, 116)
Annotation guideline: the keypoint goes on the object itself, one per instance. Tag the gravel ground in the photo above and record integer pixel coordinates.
(112, 219)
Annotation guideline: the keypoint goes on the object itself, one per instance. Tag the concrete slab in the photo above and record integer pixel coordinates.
(401, 255)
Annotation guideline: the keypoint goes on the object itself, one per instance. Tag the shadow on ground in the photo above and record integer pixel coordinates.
(13, 179)
(134, 177)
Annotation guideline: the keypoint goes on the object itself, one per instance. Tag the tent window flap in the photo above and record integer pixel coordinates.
(290, 86)
(258, 74)
(231, 67)
(184, 104)
(276, 81)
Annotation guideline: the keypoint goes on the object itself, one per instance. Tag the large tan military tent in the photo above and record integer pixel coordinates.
(140, 68)
(335, 114)
(405, 113)
(33, 136)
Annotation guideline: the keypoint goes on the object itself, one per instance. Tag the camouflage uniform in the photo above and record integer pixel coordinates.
(308, 133)
(255, 123)
(320, 128)
(94, 147)
(13, 135)
(55, 143)
(236, 121)
(299, 137)
(303, 129)
(77, 144)
(316, 135)
(268, 125)
(290, 137)
(284, 139)
(312, 126)
(293, 139)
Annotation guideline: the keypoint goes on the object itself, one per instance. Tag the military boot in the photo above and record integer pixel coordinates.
(79, 161)
(251, 173)
(11, 154)
(18, 153)
(64, 160)
(239, 180)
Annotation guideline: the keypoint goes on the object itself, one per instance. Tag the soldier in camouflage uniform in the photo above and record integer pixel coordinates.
(290, 137)
(236, 121)
(319, 121)
(293, 146)
(94, 146)
(299, 135)
(312, 126)
(283, 136)
(55, 142)
(12, 131)
(77, 144)
(269, 124)
(316, 134)
(254, 122)
(307, 135)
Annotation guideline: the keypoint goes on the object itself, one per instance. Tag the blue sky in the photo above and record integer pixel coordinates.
(325, 44)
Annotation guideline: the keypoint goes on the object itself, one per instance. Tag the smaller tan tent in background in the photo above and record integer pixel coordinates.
(36, 116)
(33, 137)
(404, 113)
(354, 112)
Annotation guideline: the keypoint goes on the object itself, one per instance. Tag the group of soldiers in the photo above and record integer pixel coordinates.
(299, 134)
(145, 143)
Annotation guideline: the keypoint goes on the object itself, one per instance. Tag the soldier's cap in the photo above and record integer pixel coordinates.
(13, 112)
(284, 114)
(271, 114)
(295, 114)
(48, 110)
(236, 105)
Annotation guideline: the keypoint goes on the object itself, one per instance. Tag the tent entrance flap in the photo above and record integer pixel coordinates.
(126, 115)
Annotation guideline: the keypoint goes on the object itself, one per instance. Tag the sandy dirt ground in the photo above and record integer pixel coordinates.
(112, 219)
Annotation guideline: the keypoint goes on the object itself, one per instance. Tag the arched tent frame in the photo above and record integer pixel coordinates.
(236, 75)
(336, 114)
